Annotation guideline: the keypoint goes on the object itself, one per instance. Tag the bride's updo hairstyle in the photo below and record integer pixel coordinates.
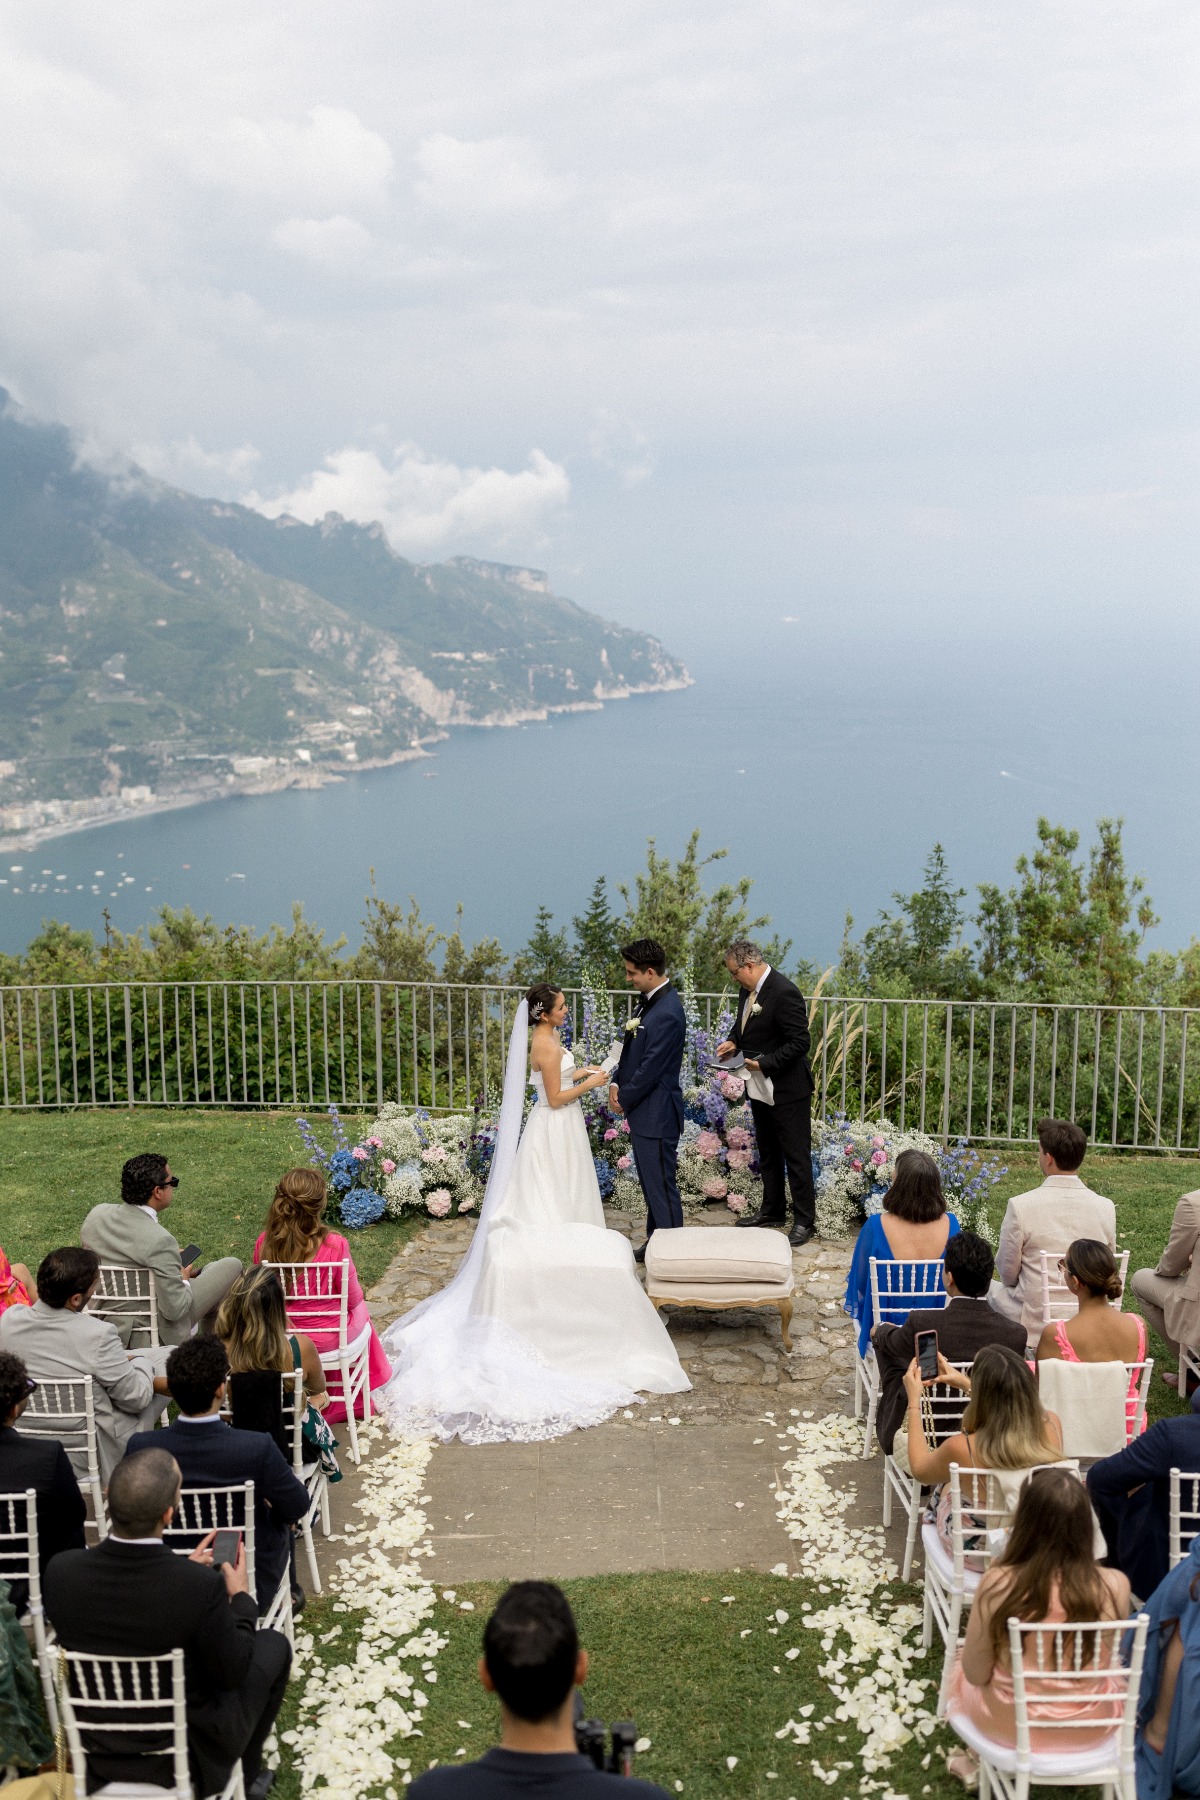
(541, 1000)
(295, 1228)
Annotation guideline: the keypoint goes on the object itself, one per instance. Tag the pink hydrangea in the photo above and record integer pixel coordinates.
(708, 1144)
(739, 1159)
(623, 1125)
(375, 1143)
(737, 1203)
(610, 1134)
(436, 1153)
(438, 1203)
(715, 1188)
(878, 1142)
(467, 1205)
(360, 1154)
(624, 1162)
(388, 1166)
(878, 1157)
(738, 1138)
(732, 1086)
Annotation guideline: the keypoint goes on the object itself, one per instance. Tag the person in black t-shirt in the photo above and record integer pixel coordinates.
(532, 1660)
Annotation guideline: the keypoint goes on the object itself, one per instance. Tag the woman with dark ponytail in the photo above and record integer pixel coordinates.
(1099, 1332)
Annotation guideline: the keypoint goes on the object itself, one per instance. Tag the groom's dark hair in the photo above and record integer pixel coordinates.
(531, 1647)
(645, 953)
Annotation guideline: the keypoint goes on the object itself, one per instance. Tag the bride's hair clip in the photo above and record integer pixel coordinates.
(536, 1010)
(541, 1000)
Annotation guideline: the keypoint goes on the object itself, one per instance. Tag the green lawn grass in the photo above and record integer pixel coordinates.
(54, 1167)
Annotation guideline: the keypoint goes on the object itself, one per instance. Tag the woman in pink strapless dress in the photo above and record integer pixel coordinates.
(1049, 1555)
(296, 1232)
(1098, 1332)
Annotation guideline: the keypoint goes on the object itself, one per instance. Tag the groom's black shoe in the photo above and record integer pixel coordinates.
(800, 1234)
(639, 1255)
(763, 1218)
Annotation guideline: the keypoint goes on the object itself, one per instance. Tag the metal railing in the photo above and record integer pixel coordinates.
(984, 1070)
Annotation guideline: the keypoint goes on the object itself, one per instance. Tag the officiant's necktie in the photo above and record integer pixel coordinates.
(747, 1005)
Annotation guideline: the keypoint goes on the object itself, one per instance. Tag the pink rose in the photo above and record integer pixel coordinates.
(623, 1125)
(739, 1159)
(715, 1188)
(388, 1166)
(375, 1143)
(359, 1154)
(438, 1203)
(737, 1203)
(610, 1135)
(624, 1162)
(878, 1156)
(708, 1144)
(849, 1150)
(856, 1164)
(879, 1143)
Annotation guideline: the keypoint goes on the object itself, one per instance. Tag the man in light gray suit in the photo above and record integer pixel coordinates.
(59, 1340)
(132, 1233)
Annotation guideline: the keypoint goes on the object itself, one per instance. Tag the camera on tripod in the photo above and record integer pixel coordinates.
(592, 1740)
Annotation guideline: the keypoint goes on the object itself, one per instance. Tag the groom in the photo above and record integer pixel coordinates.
(646, 1085)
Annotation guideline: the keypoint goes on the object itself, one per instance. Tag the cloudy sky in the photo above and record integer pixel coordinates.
(829, 308)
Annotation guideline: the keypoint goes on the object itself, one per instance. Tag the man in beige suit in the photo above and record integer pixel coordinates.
(1170, 1294)
(1050, 1218)
(131, 1233)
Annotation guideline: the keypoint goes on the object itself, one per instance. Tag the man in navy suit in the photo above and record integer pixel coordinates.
(211, 1453)
(1131, 1493)
(646, 1084)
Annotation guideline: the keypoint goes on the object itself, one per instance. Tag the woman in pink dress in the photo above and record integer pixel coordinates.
(296, 1232)
(1047, 1574)
(1098, 1332)
(17, 1286)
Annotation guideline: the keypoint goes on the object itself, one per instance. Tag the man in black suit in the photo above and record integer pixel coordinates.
(131, 1596)
(771, 1032)
(39, 1463)
(1131, 1493)
(965, 1325)
(212, 1454)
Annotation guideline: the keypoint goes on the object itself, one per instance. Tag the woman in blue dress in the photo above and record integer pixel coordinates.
(914, 1226)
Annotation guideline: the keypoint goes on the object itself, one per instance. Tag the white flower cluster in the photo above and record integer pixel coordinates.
(871, 1641)
(351, 1712)
(845, 1182)
(430, 1158)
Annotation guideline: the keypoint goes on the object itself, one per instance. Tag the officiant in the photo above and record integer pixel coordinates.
(770, 1031)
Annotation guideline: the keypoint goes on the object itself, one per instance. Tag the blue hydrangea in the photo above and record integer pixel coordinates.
(360, 1208)
(343, 1170)
(604, 1176)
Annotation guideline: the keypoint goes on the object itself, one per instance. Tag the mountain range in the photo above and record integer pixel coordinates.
(157, 648)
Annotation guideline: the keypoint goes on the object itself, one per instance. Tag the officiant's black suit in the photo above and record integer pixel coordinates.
(777, 1039)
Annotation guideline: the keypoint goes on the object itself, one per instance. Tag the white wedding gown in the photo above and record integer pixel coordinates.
(545, 1327)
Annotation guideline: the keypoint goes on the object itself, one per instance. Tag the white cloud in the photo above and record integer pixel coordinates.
(331, 160)
(423, 503)
(327, 242)
(617, 445)
(490, 175)
(186, 463)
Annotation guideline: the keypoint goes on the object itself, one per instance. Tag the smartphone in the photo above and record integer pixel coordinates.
(189, 1255)
(225, 1548)
(927, 1355)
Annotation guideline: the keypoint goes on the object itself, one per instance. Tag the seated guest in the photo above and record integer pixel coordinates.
(914, 1226)
(1098, 1332)
(1048, 1574)
(132, 1233)
(59, 1340)
(296, 1232)
(41, 1464)
(1131, 1492)
(1170, 1293)
(1049, 1218)
(1005, 1427)
(16, 1284)
(131, 1596)
(963, 1327)
(1167, 1746)
(532, 1660)
(252, 1325)
(212, 1454)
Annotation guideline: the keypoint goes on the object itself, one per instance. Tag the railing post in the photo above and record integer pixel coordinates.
(378, 1045)
(128, 1047)
(946, 1075)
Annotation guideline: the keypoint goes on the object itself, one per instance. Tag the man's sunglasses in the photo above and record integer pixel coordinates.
(170, 1181)
(31, 1386)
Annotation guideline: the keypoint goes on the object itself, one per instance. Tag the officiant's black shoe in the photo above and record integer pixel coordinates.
(800, 1234)
(639, 1255)
(762, 1218)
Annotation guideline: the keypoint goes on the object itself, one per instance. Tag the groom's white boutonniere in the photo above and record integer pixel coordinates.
(632, 1025)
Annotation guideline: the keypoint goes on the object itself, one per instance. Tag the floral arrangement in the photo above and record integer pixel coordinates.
(854, 1162)
(353, 1171)
(439, 1164)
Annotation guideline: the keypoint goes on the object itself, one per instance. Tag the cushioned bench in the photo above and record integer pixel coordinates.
(721, 1266)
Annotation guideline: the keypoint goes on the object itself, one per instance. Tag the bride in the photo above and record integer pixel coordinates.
(545, 1328)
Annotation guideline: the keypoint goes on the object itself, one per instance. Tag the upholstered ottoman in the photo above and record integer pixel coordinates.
(720, 1266)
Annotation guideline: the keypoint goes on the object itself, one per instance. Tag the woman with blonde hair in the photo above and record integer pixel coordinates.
(296, 1232)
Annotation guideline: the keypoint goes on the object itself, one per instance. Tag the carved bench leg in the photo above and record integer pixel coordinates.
(785, 1320)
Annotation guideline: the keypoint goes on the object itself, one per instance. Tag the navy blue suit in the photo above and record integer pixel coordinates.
(215, 1455)
(1137, 1526)
(651, 1097)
